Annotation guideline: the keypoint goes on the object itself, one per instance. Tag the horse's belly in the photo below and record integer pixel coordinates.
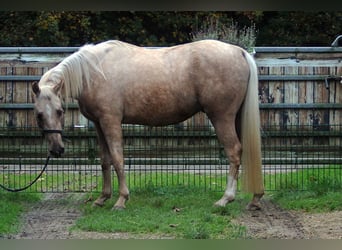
(160, 116)
(159, 104)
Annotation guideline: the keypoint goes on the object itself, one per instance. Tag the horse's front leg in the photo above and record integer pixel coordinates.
(106, 162)
(120, 172)
(106, 185)
(112, 132)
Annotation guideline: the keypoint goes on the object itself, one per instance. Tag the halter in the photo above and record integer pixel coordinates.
(52, 131)
(55, 131)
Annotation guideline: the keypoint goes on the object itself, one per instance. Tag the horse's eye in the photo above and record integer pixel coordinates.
(40, 116)
(60, 112)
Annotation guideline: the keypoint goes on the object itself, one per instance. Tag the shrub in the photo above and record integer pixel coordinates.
(213, 29)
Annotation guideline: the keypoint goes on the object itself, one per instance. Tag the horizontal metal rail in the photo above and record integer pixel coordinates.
(176, 134)
(182, 161)
(29, 106)
(21, 50)
(19, 78)
(298, 49)
(23, 106)
(300, 105)
(24, 78)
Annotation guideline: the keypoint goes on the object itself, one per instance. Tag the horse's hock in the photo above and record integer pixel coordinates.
(300, 104)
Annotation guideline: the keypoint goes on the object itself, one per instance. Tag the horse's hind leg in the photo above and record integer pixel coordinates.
(226, 132)
(106, 169)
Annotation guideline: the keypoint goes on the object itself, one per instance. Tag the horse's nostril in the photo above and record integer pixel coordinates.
(54, 153)
(57, 152)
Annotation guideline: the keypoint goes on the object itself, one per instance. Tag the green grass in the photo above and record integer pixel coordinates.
(152, 210)
(321, 190)
(11, 207)
(155, 195)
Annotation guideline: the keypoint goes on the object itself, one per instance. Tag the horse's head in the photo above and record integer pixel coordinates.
(49, 113)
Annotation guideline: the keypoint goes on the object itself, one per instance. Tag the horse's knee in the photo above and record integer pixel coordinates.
(106, 160)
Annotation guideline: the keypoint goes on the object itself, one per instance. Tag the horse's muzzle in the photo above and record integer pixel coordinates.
(57, 152)
(54, 137)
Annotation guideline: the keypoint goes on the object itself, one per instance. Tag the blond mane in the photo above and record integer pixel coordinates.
(77, 71)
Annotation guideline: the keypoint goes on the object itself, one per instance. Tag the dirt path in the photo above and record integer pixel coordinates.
(272, 222)
(52, 218)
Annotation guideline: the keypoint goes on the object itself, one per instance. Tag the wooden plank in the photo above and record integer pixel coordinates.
(321, 95)
(20, 94)
(305, 96)
(310, 99)
(276, 90)
(264, 96)
(335, 96)
(276, 117)
(3, 115)
(34, 70)
(10, 120)
(335, 115)
(291, 96)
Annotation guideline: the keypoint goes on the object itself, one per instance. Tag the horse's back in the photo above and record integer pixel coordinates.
(168, 85)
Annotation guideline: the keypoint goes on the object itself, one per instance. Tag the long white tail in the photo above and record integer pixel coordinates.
(252, 180)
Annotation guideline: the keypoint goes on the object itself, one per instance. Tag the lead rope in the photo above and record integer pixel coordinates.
(31, 183)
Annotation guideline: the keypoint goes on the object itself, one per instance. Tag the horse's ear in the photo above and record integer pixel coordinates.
(35, 88)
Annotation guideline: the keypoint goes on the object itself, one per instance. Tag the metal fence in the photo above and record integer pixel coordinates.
(166, 156)
(300, 102)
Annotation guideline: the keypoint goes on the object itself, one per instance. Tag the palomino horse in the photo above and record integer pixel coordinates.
(115, 82)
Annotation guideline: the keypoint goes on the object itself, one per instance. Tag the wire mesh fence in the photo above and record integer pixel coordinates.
(172, 155)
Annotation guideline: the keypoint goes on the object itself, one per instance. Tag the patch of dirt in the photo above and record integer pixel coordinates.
(273, 222)
(52, 218)
(323, 226)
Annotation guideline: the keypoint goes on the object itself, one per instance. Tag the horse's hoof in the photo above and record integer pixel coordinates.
(223, 201)
(118, 208)
(95, 204)
(218, 204)
(253, 207)
(99, 202)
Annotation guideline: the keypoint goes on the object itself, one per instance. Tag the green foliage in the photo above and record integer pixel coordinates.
(165, 28)
(299, 28)
(63, 28)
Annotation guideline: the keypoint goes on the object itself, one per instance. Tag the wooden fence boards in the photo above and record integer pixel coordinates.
(273, 93)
